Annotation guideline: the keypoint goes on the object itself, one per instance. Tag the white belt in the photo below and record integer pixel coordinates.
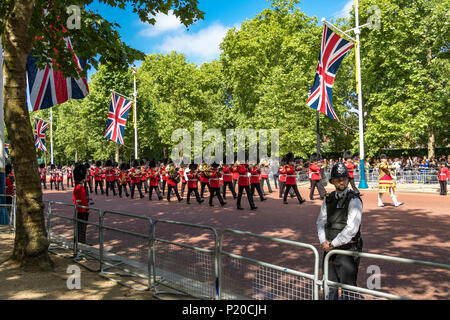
(193, 180)
(291, 176)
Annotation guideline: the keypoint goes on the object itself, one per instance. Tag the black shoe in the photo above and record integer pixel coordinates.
(312, 199)
(127, 195)
(254, 208)
(223, 203)
(181, 199)
(160, 198)
(303, 200)
(150, 199)
(240, 208)
(188, 202)
(201, 201)
(263, 199)
(211, 205)
(142, 196)
(285, 202)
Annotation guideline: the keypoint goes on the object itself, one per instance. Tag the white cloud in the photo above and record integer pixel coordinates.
(164, 23)
(201, 46)
(345, 11)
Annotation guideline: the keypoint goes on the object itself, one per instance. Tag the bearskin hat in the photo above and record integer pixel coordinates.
(383, 156)
(87, 165)
(79, 173)
(192, 167)
(152, 164)
(215, 165)
(314, 157)
(108, 163)
(347, 155)
(98, 164)
(42, 166)
(8, 169)
(135, 163)
(289, 157)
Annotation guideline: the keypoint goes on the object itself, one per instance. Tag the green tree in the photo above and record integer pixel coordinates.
(23, 27)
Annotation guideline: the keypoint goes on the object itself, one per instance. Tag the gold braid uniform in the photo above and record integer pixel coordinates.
(385, 181)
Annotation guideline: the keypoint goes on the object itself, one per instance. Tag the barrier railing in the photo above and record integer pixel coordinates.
(185, 268)
(349, 292)
(127, 255)
(265, 281)
(87, 249)
(9, 203)
(61, 226)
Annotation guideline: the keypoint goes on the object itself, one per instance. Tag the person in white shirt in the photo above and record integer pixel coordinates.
(338, 227)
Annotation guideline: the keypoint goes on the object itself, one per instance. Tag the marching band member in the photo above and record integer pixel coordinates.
(122, 182)
(265, 169)
(214, 177)
(154, 176)
(43, 175)
(144, 176)
(52, 176)
(350, 167)
(98, 173)
(316, 178)
(60, 178)
(254, 181)
(386, 182)
(69, 175)
(228, 181)
(204, 181)
(291, 179)
(192, 177)
(109, 177)
(243, 184)
(135, 175)
(172, 182)
(183, 178)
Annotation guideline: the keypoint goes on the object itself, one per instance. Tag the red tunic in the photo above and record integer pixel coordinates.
(183, 180)
(254, 178)
(443, 174)
(315, 172)
(109, 173)
(214, 180)
(9, 186)
(98, 174)
(291, 178)
(243, 176)
(283, 173)
(52, 175)
(350, 167)
(203, 178)
(192, 180)
(135, 178)
(227, 175)
(164, 174)
(43, 173)
(154, 178)
(80, 198)
(69, 173)
(144, 174)
(59, 176)
(235, 173)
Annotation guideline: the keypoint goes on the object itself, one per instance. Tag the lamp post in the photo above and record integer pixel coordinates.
(135, 115)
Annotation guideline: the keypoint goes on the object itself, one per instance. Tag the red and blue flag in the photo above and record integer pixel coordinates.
(332, 51)
(40, 127)
(117, 117)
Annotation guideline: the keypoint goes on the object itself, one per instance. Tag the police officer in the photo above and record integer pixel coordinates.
(338, 227)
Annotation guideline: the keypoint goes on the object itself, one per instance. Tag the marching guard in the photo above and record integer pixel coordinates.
(443, 176)
(154, 176)
(254, 181)
(69, 175)
(316, 178)
(59, 178)
(291, 179)
(135, 175)
(172, 182)
(192, 179)
(80, 198)
(98, 173)
(214, 186)
(228, 181)
(386, 183)
(43, 175)
(243, 184)
(350, 167)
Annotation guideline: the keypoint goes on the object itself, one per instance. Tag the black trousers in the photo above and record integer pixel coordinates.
(231, 187)
(52, 182)
(138, 186)
(44, 183)
(197, 195)
(124, 187)
(283, 188)
(320, 188)
(99, 183)
(257, 186)
(164, 187)
(276, 180)
(169, 191)
(145, 184)
(249, 196)
(60, 183)
(89, 183)
(202, 189)
(443, 185)
(342, 269)
(215, 192)
(183, 187)
(81, 226)
(110, 185)
(290, 187)
(150, 193)
(71, 181)
(267, 182)
(352, 182)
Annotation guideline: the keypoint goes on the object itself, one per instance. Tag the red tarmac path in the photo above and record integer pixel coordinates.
(420, 229)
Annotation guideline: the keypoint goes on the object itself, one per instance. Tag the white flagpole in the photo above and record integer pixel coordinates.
(135, 116)
(362, 182)
(51, 137)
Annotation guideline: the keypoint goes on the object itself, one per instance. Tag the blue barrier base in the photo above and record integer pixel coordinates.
(362, 182)
(4, 216)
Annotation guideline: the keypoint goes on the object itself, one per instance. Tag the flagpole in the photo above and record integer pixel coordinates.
(135, 116)
(362, 181)
(51, 137)
(4, 216)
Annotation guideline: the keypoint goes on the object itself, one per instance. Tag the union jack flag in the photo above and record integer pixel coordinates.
(48, 87)
(40, 127)
(117, 117)
(332, 51)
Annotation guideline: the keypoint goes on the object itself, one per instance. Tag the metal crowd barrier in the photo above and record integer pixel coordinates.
(61, 227)
(247, 278)
(117, 257)
(349, 292)
(187, 269)
(11, 208)
(88, 251)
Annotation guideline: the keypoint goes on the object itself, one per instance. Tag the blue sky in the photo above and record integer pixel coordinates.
(200, 43)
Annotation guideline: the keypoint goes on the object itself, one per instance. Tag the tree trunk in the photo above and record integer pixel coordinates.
(431, 144)
(76, 155)
(30, 244)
